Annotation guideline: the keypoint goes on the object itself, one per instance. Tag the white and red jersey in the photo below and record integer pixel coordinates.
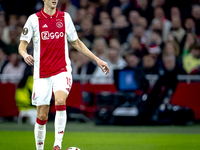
(50, 35)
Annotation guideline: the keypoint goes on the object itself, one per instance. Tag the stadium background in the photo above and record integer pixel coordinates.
(143, 36)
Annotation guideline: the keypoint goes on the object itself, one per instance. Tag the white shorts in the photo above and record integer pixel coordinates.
(42, 87)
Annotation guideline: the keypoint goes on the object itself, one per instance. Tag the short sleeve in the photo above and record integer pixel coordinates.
(70, 29)
(27, 31)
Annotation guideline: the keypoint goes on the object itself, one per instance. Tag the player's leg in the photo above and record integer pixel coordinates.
(40, 126)
(61, 117)
(42, 92)
(61, 87)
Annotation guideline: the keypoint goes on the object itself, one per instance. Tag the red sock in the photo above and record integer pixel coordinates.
(60, 107)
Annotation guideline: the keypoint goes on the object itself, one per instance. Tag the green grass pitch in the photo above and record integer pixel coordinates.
(105, 137)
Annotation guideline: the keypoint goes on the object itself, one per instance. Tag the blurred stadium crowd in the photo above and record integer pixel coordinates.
(153, 36)
(133, 33)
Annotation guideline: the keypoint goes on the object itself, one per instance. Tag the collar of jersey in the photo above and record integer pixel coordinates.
(48, 16)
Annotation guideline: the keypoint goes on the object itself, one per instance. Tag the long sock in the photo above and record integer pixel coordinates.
(60, 123)
(40, 133)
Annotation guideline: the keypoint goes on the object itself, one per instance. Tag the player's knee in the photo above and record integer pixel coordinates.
(60, 101)
(43, 116)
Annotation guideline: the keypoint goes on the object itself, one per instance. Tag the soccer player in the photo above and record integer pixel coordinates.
(50, 29)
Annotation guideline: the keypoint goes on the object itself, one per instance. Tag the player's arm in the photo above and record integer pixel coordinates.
(23, 52)
(85, 51)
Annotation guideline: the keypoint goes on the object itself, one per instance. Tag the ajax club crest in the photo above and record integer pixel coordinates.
(59, 24)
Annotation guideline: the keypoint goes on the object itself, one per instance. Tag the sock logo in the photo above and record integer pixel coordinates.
(61, 132)
(41, 143)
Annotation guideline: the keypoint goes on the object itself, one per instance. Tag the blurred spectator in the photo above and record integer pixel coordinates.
(114, 43)
(191, 62)
(84, 3)
(125, 6)
(167, 81)
(196, 15)
(136, 46)
(177, 29)
(154, 49)
(99, 48)
(135, 43)
(175, 12)
(171, 48)
(115, 61)
(15, 67)
(106, 5)
(157, 3)
(191, 39)
(2, 21)
(108, 31)
(82, 38)
(122, 25)
(2, 44)
(98, 31)
(67, 6)
(3, 60)
(103, 16)
(87, 28)
(12, 23)
(190, 25)
(116, 11)
(84, 65)
(149, 65)
(132, 59)
(133, 19)
(143, 22)
(159, 13)
(80, 15)
(144, 10)
(155, 52)
(155, 38)
(155, 26)
(138, 31)
(12, 46)
(73, 54)
(171, 66)
(20, 24)
(22, 20)
(91, 10)
(196, 12)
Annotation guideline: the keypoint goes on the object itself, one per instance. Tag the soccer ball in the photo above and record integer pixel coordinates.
(73, 148)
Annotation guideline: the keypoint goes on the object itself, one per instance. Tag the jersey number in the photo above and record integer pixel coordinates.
(69, 83)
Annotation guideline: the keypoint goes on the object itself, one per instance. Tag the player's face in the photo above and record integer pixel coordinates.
(51, 3)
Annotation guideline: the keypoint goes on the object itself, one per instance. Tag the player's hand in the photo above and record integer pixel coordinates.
(103, 65)
(28, 59)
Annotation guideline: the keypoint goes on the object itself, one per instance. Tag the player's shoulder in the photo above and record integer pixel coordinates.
(33, 17)
(66, 14)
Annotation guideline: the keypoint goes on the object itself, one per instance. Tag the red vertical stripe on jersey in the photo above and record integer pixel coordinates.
(52, 43)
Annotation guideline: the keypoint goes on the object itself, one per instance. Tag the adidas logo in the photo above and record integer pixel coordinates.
(60, 132)
(45, 26)
(41, 143)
